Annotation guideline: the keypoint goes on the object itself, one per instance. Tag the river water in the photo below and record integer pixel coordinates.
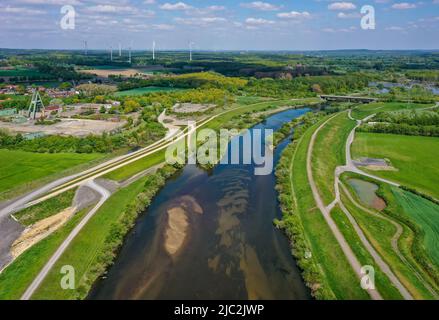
(209, 236)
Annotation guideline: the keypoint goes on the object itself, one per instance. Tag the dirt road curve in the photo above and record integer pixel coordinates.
(105, 194)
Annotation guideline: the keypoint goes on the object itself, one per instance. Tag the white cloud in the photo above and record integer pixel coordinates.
(294, 15)
(21, 10)
(175, 6)
(106, 8)
(342, 6)
(353, 15)
(200, 21)
(403, 6)
(258, 21)
(393, 28)
(163, 26)
(259, 5)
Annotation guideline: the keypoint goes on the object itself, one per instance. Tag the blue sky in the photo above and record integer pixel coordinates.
(220, 25)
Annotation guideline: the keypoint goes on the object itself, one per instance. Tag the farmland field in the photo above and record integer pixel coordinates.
(23, 72)
(371, 108)
(414, 157)
(426, 215)
(141, 91)
(18, 168)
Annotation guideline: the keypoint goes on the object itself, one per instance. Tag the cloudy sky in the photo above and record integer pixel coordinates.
(219, 25)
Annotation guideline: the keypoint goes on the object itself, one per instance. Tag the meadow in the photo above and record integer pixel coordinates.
(363, 111)
(414, 157)
(20, 169)
(426, 215)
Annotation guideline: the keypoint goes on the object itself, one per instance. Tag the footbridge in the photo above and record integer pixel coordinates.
(348, 99)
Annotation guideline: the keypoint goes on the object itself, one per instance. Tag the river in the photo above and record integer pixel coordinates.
(209, 236)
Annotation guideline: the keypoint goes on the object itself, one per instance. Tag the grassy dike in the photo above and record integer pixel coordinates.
(330, 152)
(324, 266)
(15, 279)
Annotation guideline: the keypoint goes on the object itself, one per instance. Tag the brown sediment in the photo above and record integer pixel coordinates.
(177, 230)
(379, 204)
(256, 281)
(178, 222)
(40, 230)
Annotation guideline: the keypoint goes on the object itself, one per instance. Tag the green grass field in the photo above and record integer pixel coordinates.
(380, 233)
(329, 152)
(45, 209)
(415, 157)
(142, 91)
(20, 170)
(15, 279)
(363, 111)
(338, 275)
(426, 215)
(83, 249)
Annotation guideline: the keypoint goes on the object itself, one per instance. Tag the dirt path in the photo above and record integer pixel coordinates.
(352, 259)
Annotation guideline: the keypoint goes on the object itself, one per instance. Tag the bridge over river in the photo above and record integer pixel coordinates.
(348, 99)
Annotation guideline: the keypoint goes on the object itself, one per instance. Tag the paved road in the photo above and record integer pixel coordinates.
(352, 259)
(105, 194)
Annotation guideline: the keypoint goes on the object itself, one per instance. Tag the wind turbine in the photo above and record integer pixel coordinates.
(120, 49)
(85, 47)
(129, 52)
(111, 53)
(190, 50)
(153, 50)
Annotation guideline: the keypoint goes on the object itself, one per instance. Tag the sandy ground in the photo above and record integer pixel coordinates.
(192, 107)
(178, 223)
(74, 127)
(107, 73)
(40, 230)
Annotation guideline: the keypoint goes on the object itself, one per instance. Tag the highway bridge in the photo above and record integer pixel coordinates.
(348, 99)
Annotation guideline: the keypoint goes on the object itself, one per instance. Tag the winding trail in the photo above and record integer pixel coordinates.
(105, 194)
